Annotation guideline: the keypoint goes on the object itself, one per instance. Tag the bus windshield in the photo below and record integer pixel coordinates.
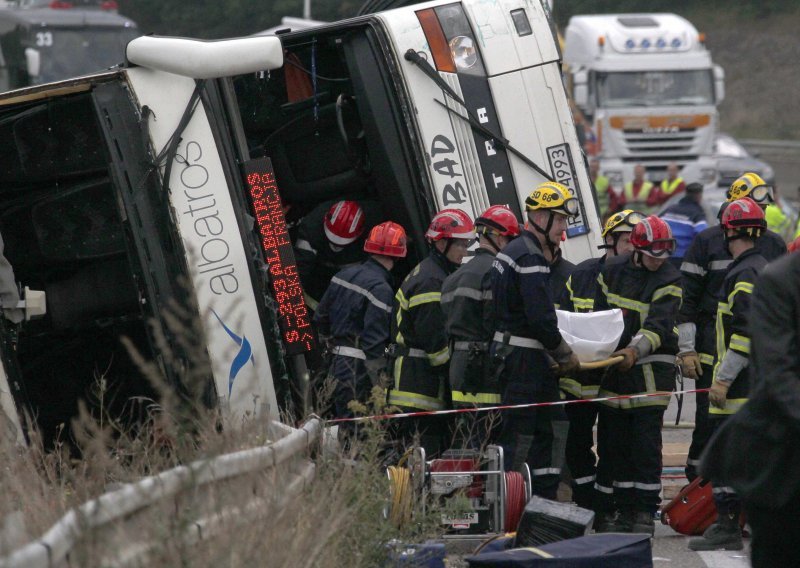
(655, 88)
(72, 52)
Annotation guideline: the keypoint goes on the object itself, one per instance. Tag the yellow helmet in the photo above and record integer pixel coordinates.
(622, 222)
(552, 196)
(753, 186)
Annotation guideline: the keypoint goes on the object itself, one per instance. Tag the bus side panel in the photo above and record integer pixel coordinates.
(449, 148)
(503, 48)
(536, 118)
(216, 256)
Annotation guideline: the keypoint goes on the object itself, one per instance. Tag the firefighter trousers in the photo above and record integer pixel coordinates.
(580, 456)
(704, 340)
(527, 437)
(629, 466)
(725, 498)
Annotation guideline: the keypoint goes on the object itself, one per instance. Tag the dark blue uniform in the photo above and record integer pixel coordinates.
(629, 468)
(422, 353)
(703, 271)
(578, 297)
(354, 314)
(469, 321)
(526, 327)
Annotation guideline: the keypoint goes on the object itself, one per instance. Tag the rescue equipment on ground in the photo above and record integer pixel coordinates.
(692, 510)
(496, 498)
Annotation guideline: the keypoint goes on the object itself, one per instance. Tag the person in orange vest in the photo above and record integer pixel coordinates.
(671, 185)
(638, 194)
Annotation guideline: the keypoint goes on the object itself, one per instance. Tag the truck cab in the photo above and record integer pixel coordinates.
(42, 42)
(178, 181)
(648, 88)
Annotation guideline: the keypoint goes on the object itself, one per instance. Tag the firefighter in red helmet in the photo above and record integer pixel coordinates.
(647, 289)
(353, 317)
(329, 238)
(469, 312)
(743, 223)
(420, 350)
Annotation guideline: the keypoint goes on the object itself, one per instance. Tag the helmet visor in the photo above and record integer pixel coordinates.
(763, 194)
(660, 248)
(570, 207)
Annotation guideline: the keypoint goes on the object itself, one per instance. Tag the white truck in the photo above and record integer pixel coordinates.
(190, 163)
(648, 89)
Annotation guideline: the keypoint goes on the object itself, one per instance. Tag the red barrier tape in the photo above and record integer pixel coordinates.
(509, 407)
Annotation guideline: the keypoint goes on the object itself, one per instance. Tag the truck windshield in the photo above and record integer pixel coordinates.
(72, 52)
(655, 88)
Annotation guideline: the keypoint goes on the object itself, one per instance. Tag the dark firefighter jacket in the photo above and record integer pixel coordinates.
(560, 272)
(469, 312)
(649, 303)
(732, 323)
(525, 314)
(703, 270)
(355, 314)
(578, 297)
(420, 369)
(752, 451)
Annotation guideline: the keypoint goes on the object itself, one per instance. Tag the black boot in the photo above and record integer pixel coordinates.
(643, 523)
(605, 522)
(724, 534)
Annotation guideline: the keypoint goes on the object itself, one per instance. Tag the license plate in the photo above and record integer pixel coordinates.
(461, 521)
(563, 168)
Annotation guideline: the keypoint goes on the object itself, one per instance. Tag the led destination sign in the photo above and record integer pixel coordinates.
(293, 317)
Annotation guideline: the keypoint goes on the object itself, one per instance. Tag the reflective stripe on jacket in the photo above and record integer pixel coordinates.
(732, 327)
(418, 324)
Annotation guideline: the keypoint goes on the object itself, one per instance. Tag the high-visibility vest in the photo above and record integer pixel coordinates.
(777, 220)
(601, 188)
(638, 202)
(668, 188)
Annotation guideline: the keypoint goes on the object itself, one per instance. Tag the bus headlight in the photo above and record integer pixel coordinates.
(464, 53)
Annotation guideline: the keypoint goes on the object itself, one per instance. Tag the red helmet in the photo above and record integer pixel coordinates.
(388, 239)
(344, 222)
(744, 216)
(450, 224)
(499, 219)
(653, 237)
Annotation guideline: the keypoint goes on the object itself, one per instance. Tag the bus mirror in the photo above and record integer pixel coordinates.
(580, 82)
(200, 59)
(33, 59)
(719, 84)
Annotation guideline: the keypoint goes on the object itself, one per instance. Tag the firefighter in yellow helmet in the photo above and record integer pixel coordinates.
(527, 339)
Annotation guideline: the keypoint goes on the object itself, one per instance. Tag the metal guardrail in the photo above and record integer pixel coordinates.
(52, 549)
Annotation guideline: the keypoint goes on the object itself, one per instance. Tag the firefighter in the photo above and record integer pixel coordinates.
(420, 349)
(527, 343)
(578, 297)
(743, 224)
(353, 317)
(330, 238)
(703, 270)
(469, 312)
(647, 289)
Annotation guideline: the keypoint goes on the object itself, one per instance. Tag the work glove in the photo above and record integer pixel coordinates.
(630, 359)
(570, 367)
(690, 364)
(718, 395)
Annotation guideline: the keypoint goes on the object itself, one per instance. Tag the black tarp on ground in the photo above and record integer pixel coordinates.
(592, 551)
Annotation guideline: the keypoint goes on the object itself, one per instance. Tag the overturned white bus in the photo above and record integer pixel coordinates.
(194, 162)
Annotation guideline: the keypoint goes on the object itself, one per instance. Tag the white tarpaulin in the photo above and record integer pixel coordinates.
(593, 336)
